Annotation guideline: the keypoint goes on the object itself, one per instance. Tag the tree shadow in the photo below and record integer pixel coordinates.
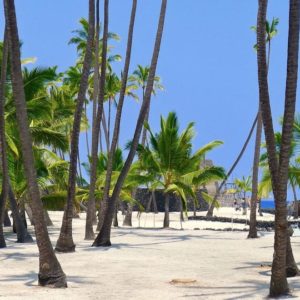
(18, 256)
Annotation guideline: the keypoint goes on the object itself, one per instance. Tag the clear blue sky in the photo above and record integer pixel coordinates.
(207, 62)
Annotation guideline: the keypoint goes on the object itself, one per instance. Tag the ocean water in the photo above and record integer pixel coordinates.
(265, 204)
(269, 204)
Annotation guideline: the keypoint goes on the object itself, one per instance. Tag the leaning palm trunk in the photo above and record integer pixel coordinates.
(279, 168)
(103, 238)
(212, 206)
(253, 202)
(89, 233)
(117, 121)
(3, 164)
(91, 207)
(22, 234)
(50, 271)
(65, 241)
(254, 195)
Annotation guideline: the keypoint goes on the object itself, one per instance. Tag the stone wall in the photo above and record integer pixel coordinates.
(143, 195)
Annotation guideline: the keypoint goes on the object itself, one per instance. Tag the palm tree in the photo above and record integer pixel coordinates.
(103, 238)
(170, 164)
(3, 164)
(279, 168)
(140, 77)
(50, 272)
(89, 234)
(243, 186)
(271, 31)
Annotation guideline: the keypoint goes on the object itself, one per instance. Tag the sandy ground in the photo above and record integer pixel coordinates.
(142, 263)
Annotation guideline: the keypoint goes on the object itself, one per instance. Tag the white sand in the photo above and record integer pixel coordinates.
(142, 263)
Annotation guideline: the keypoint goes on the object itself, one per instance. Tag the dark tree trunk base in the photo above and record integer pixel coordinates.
(7, 221)
(252, 235)
(27, 238)
(2, 242)
(101, 244)
(53, 281)
(65, 249)
(292, 271)
(89, 237)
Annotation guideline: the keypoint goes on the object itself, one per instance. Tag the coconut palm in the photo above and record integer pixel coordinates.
(283, 256)
(169, 156)
(50, 272)
(140, 77)
(271, 32)
(103, 238)
(65, 241)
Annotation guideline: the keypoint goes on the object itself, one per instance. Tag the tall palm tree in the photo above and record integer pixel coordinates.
(65, 241)
(279, 168)
(89, 233)
(3, 163)
(271, 31)
(116, 133)
(103, 238)
(50, 272)
(170, 161)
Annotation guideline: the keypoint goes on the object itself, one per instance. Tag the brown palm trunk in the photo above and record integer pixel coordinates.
(3, 163)
(65, 241)
(212, 206)
(254, 196)
(115, 137)
(22, 234)
(89, 234)
(103, 238)
(6, 221)
(91, 206)
(296, 208)
(167, 215)
(128, 217)
(50, 271)
(279, 169)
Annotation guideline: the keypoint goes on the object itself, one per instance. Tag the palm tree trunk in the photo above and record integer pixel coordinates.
(128, 217)
(103, 238)
(2, 239)
(144, 134)
(212, 206)
(105, 131)
(112, 149)
(108, 123)
(279, 169)
(6, 221)
(89, 233)
(22, 234)
(65, 241)
(86, 133)
(50, 271)
(4, 166)
(167, 216)
(91, 206)
(296, 208)
(291, 266)
(254, 196)
(116, 223)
